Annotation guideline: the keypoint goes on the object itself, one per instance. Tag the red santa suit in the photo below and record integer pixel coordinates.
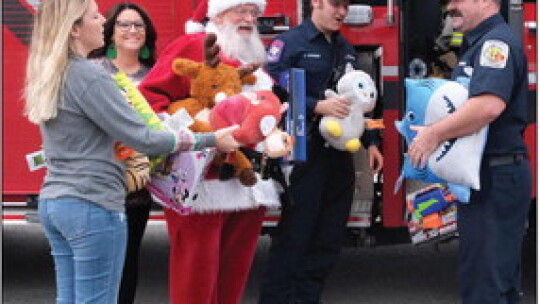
(211, 250)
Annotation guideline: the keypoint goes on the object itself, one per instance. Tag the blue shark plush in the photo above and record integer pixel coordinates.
(456, 161)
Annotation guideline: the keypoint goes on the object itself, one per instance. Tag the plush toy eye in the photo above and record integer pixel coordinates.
(214, 86)
(449, 104)
(410, 116)
(360, 85)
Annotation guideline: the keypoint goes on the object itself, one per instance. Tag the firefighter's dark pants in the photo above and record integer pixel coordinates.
(308, 239)
(491, 230)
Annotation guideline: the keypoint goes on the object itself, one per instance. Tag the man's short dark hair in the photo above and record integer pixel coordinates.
(339, 2)
(308, 6)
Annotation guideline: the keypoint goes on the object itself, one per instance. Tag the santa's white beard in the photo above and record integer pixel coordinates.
(247, 49)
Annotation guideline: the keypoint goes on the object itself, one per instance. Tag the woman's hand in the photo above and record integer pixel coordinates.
(225, 142)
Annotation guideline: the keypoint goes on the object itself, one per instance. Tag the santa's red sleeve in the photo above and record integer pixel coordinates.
(162, 86)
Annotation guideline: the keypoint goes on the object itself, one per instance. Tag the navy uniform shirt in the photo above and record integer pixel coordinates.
(305, 47)
(493, 62)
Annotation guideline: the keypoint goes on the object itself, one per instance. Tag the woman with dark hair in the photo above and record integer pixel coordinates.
(130, 43)
(125, 20)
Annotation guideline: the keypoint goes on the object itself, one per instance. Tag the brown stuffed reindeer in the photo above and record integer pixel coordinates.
(210, 80)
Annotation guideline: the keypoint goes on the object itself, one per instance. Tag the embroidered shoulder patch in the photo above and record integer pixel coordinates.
(494, 54)
(274, 51)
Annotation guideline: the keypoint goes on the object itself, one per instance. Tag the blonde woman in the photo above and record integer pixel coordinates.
(81, 114)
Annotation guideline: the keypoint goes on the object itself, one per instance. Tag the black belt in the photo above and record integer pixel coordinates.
(499, 160)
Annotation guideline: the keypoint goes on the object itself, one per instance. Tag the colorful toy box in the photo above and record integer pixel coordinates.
(431, 214)
(176, 190)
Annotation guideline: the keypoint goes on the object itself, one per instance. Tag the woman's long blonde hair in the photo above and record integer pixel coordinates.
(49, 55)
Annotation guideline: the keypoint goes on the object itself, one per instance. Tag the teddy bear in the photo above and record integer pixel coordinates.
(212, 81)
(344, 133)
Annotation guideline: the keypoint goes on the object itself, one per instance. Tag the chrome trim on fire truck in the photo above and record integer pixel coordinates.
(14, 204)
(531, 25)
(532, 78)
(390, 17)
(389, 70)
(299, 11)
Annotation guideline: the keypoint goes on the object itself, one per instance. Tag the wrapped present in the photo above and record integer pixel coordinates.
(431, 214)
(176, 187)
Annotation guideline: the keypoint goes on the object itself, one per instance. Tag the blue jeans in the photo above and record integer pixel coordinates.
(88, 244)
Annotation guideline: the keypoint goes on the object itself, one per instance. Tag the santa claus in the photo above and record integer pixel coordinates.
(212, 248)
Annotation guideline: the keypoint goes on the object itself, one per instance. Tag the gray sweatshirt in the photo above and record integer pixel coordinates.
(78, 143)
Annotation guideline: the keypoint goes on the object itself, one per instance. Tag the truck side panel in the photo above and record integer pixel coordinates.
(19, 137)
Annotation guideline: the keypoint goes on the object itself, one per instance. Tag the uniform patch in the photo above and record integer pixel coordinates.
(275, 50)
(494, 54)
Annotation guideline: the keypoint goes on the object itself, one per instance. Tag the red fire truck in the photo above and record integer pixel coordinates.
(394, 39)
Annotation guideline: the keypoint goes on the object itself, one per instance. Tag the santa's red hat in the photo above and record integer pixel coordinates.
(212, 8)
(195, 23)
(215, 7)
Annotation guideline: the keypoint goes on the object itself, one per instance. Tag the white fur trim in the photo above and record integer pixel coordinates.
(264, 81)
(230, 195)
(192, 27)
(211, 27)
(215, 7)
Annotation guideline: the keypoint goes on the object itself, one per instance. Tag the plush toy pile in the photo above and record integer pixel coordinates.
(257, 113)
(211, 81)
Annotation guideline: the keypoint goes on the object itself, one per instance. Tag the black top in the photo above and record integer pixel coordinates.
(492, 61)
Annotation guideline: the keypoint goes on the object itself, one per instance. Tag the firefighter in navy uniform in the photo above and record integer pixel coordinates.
(309, 236)
(492, 226)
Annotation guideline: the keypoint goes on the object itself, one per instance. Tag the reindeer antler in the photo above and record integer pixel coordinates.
(211, 50)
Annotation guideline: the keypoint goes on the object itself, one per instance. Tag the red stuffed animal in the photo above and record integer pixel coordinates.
(258, 114)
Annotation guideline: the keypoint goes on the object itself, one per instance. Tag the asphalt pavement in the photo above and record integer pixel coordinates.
(397, 274)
